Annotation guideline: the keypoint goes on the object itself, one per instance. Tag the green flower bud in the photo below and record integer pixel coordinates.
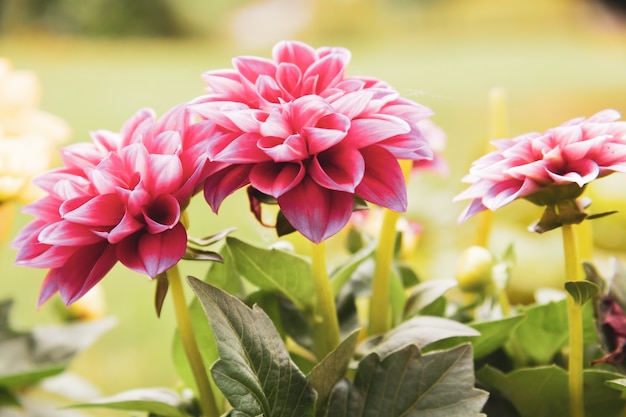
(474, 269)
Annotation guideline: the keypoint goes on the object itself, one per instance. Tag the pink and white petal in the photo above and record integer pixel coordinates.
(65, 233)
(162, 214)
(289, 77)
(505, 192)
(383, 181)
(294, 52)
(251, 67)
(165, 174)
(168, 142)
(275, 179)
(101, 210)
(316, 212)
(268, 89)
(222, 183)
(277, 125)
(366, 132)
(475, 207)
(325, 73)
(293, 148)
(580, 172)
(152, 254)
(352, 104)
(136, 126)
(307, 111)
(242, 150)
(175, 119)
(329, 131)
(341, 169)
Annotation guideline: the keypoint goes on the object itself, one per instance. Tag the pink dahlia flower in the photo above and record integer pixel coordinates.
(547, 168)
(298, 129)
(119, 198)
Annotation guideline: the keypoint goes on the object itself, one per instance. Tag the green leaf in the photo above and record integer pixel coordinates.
(420, 330)
(47, 350)
(160, 401)
(618, 384)
(581, 291)
(331, 370)
(254, 371)
(343, 274)
(544, 333)
(493, 335)
(426, 293)
(224, 275)
(274, 270)
(7, 398)
(405, 383)
(543, 391)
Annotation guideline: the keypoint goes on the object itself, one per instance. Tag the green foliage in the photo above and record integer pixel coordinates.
(581, 291)
(254, 371)
(274, 270)
(159, 401)
(407, 383)
(543, 392)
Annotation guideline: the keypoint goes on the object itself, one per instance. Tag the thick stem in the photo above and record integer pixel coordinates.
(379, 312)
(326, 326)
(575, 322)
(207, 399)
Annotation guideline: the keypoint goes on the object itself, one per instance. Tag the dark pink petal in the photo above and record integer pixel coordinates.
(298, 53)
(341, 169)
(126, 227)
(275, 179)
(268, 89)
(316, 212)
(162, 214)
(253, 67)
(152, 254)
(224, 182)
(580, 172)
(65, 233)
(84, 269)
(383, 182)
(102, 210)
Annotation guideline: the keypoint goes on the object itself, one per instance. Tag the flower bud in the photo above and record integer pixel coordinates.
(474, 269)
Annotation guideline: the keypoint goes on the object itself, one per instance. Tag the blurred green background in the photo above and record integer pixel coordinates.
(101, 60)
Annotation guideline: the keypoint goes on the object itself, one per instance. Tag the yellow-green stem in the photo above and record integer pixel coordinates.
(575, 320)
(326, 326)
(379, 311)
(207, 399)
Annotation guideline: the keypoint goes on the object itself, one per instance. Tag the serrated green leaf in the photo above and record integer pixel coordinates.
(493, 335)
(581, 291)
(160, 401)
(406, 383)
(543, 391)
(331, 370)
(420, 331)
(274, 270)
(254, 371)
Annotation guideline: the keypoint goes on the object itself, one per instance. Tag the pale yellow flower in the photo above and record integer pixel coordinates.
(28, 135)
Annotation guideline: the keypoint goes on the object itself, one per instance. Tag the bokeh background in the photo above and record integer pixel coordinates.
(99, 61)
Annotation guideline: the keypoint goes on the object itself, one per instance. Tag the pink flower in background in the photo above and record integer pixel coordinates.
(119, 198)
(298, 129)
(548, 167)
(436, 138)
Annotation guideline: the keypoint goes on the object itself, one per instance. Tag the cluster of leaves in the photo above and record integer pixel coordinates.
(253, 319)
(37, 359)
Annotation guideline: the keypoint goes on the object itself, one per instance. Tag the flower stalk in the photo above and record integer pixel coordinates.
(379, 312)
(575, 323)
(205, 392)
(326, 325)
